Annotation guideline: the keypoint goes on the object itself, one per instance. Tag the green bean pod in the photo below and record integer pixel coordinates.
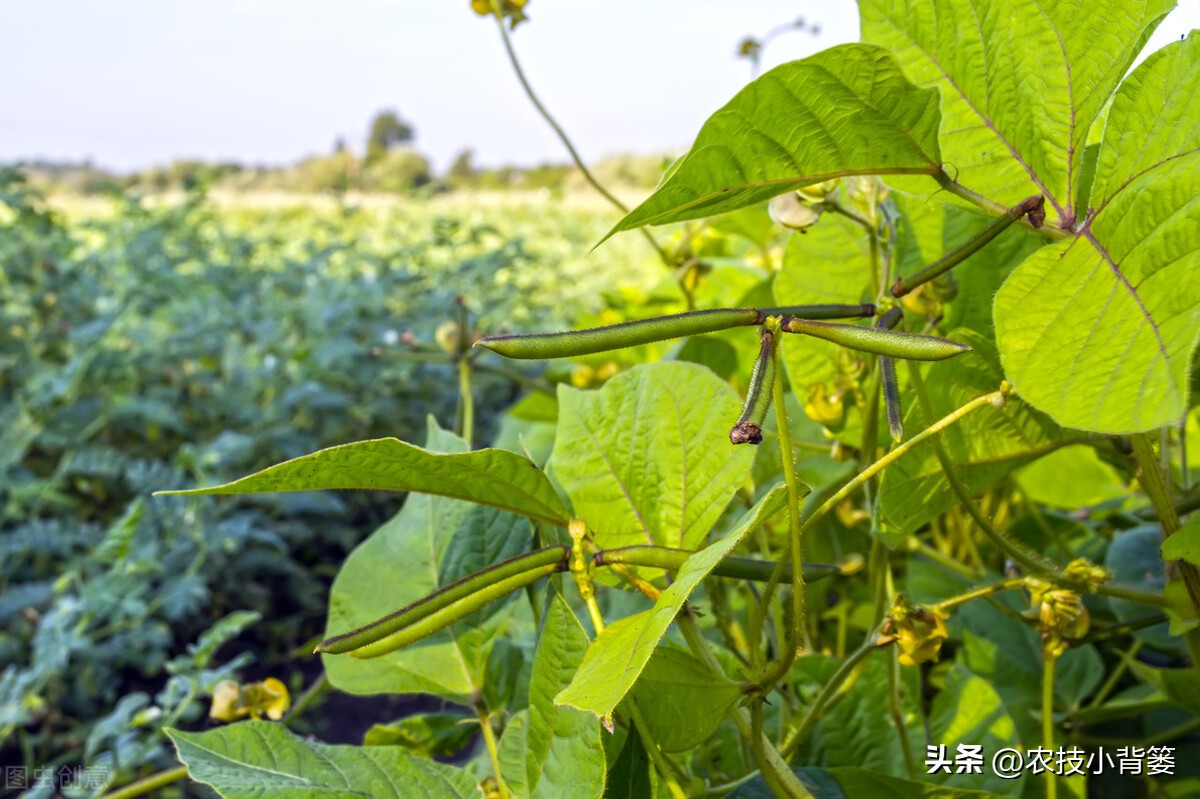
(443, 618)
(748, 429)
(573, 343)
(738, 568)
(451, 602)
(891, 385)
(860, 311)
(911, 346)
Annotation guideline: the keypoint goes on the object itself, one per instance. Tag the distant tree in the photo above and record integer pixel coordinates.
(388, 130)
(400, 170)
(461, 171)
(339, 146)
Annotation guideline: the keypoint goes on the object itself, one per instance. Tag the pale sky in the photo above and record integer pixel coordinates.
(131, 83)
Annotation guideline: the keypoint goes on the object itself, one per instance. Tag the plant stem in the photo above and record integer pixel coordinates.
(148, 784)
(994, 398)
(789, 476)
(1048, 718)
(1115, 675)
(310, 695)
(904, 285)
(799, 734)
(489, 738)
(1155, 485)
(981, 592)
(562, 135)
(468, 401)
(991, 206)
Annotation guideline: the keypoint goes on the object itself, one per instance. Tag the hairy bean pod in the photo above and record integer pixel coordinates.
(738, 568)
(911, 346)
(550, 558)
(748, 429)
(891, 385)
(862, 310)
(443, 618)
(573, 343)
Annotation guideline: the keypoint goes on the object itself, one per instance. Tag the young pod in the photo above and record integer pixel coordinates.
(891, 385)
(861, 310)
(748, 429)
(574, 343)
(451, 602)
(911, 346)
(673, 559)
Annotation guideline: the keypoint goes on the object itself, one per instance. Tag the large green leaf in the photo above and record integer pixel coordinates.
(1096, 330)
(852, 783)
(489, 476)
(682, 701)
(619, 654)
(260, 760)
(646, 459)
(1021, 82)
(845, 111)
(400, 563)
(562, 752)
(984, 447)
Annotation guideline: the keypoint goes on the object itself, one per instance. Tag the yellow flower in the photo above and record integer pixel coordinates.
(268, 698)
(918, 631)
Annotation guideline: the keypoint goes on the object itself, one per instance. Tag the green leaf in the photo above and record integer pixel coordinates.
(1181, 686)
(564, 756)
(616, 658)
(683, 703)
(426, 735)
(858, 729)
(1153, 119)
(629, 777)
(1021, 81)
(488, 476)
(984, 446)
(646, 459)
(1008, 655)
(397, 565)
(969, 711)
(1184, 543)
(845, 111)
(831, 263)
(1133, 558)
(260, 760)
(1071, 478)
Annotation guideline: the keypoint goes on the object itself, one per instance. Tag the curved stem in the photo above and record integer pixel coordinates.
(1155, 485)
(991, 206)
(489, 739)
(566, 140)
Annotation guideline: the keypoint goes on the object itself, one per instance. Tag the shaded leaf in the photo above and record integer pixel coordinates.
(968, 711)
(984, 447)
(1184, 543)
(629, 777)
(682, 702)
(260, 760)
(426, 734)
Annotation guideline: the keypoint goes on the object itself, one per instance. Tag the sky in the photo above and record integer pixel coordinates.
(134, 83)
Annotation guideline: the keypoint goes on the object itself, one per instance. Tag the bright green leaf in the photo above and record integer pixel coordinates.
(397, 565)
(1021, 82)
(1184, 543)
(489, 476)
(1098, 331)
(619, 654)
(845, 111)
(260, 760)
(646, 459)
(683, 703)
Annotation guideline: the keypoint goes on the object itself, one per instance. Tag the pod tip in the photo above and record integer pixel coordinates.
(745, 433)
